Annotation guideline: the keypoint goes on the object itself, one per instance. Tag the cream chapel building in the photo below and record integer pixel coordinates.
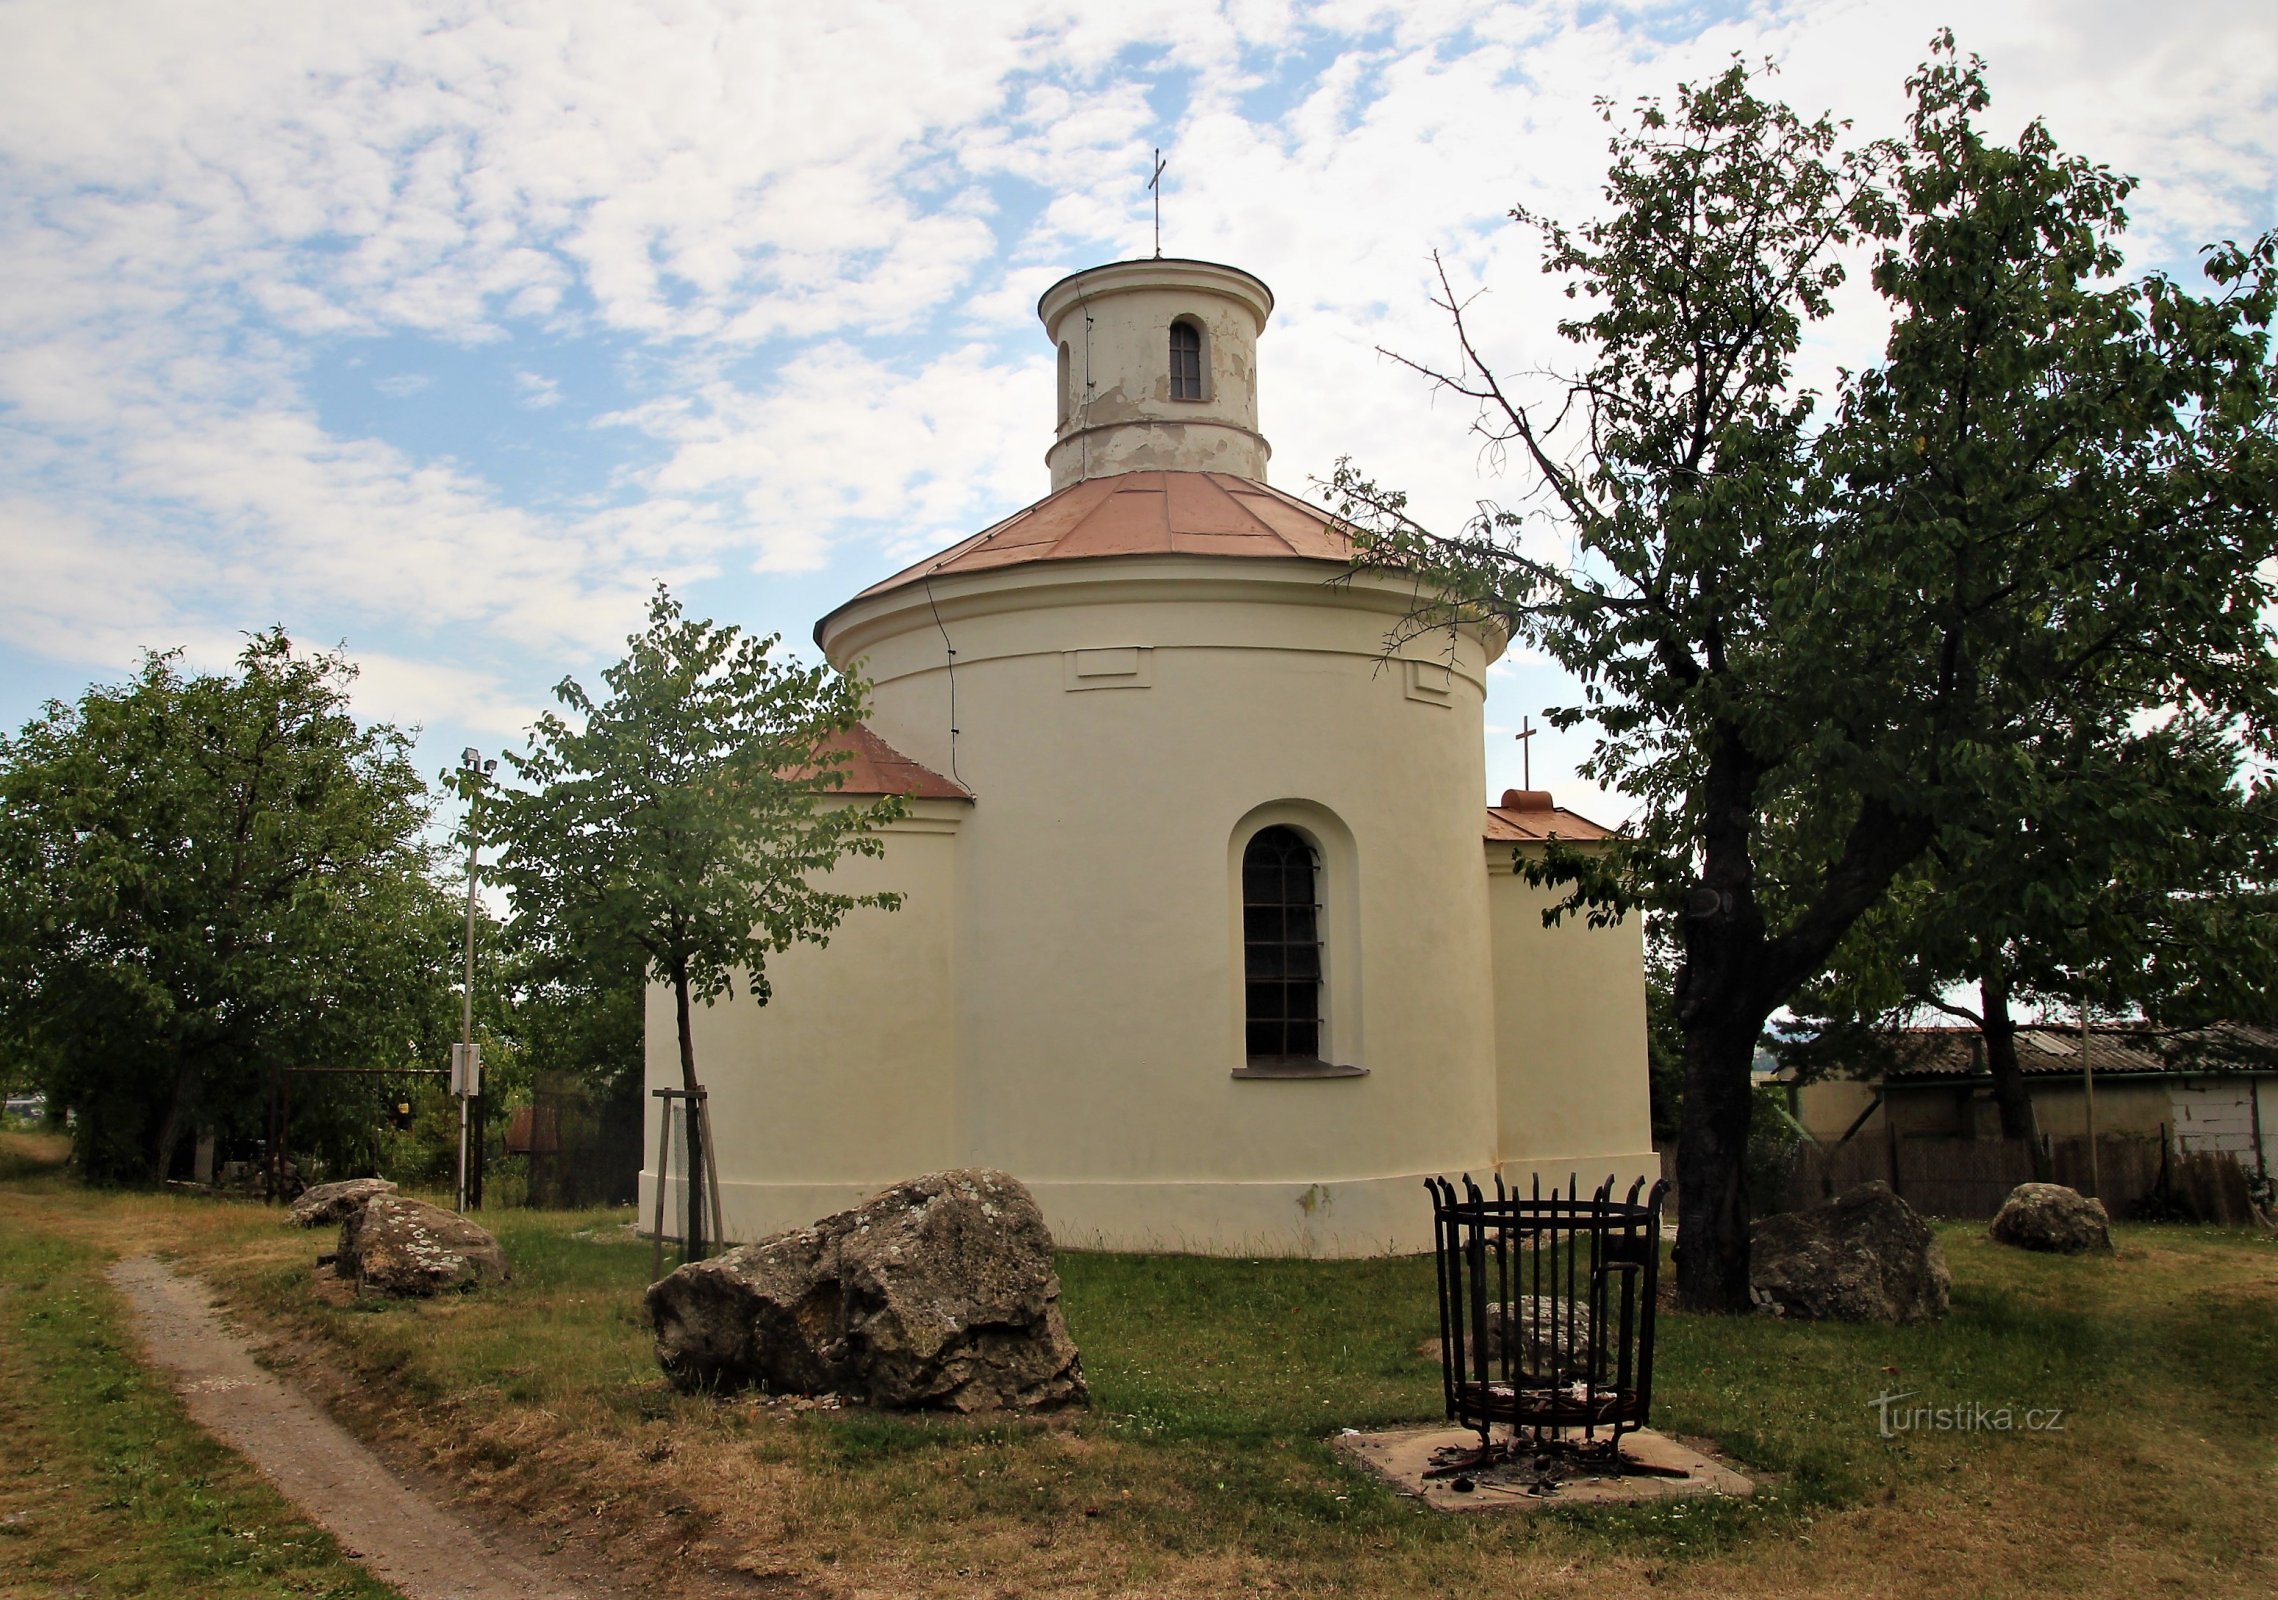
(1208, 935)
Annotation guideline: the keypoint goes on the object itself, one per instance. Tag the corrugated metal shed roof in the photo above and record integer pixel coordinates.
(1958, 1052)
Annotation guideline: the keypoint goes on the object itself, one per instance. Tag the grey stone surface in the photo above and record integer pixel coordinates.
(1864, 1256)
(408, 1247)
(1551, 1332)
(2051, 1217)
(328, 1204)
(939, 1293)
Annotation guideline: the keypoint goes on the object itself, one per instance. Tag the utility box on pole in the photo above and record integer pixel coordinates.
(466, 1083)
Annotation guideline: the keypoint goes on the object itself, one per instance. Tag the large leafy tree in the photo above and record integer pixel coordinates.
(211, 877)
(1814, 635)
(2129, 872)
(685, 823)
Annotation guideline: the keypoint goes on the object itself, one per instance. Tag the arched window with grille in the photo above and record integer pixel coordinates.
(1186, 360)
(1281, 946)
(1067, 384)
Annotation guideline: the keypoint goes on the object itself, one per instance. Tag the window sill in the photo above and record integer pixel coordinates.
(1295, 1067)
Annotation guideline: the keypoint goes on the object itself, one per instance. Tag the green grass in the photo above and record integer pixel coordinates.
(1203, 1466)
(1216, 1385)
(110, 1488)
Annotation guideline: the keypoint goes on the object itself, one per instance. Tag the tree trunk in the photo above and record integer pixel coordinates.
(2011, 1093)
(1716, 1006)
(1732, 981)
(692, 1240)
(1712, 1203)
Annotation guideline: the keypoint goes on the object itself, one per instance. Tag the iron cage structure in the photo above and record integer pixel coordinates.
(1547, 1311)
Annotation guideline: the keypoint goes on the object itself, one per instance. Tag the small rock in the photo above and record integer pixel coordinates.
(408, 1247)
(1864, 1256)
(2051, 1217)
(939, 1293)
(329, 1204)
(1549, 1347)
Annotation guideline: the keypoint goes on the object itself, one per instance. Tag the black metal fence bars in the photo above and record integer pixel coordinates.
(1547, 1308)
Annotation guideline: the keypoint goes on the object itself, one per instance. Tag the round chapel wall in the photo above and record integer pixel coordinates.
(1133, 678)
(1125, 726)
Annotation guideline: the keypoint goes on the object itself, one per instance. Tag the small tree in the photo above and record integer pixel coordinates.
(1811, 637)
(685, 821)
(210, 877)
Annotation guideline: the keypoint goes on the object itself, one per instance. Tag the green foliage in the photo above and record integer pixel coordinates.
(678, 824)
(2130, 870)
(1664, 1039)
(583, 1018)
(1774, 1137)
(1817, 638)
(210, 877)
(685, 828)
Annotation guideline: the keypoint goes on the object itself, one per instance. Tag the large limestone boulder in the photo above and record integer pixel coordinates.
(1864, 1256)
(939, 1293)
(2051, 1217)
(408, 1247)
(328, 1204)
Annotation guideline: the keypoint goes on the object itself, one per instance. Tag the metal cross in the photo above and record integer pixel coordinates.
(1156, 183)
(1526, 753)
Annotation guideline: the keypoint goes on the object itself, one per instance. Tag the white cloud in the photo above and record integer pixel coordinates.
(197, 202)
(407, 692)
(538, 392)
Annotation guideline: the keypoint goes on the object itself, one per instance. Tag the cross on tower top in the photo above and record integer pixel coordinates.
(1156, 183)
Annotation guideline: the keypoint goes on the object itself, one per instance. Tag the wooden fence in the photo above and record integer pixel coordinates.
(2136, 1175)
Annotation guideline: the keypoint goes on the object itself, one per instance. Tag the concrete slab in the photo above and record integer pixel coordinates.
(1401, 1456)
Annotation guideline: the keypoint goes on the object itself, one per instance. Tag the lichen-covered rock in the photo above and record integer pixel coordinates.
(1864, 1256)
(2051, 1217)
(1551, 1335)
(330, 1203)
(408, 1247)
(939, 1293)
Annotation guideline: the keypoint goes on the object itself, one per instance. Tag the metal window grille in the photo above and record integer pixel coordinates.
(1281, 946)
(1186, 361)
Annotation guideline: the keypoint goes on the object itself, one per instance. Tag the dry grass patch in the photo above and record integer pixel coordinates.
(1202, 1467)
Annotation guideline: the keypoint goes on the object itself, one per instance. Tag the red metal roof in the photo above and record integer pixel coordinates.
(1144, 513)
(875, 767)
(1528, 816)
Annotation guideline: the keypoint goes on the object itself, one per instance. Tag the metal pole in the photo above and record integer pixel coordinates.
(712, 1169)
(1156, 183)
(2088, 1099)
(470, 765)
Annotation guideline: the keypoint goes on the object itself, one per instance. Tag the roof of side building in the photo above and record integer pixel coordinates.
(1528, 816)
(875, 767)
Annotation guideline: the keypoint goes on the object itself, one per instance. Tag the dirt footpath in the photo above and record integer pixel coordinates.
(397, 1534)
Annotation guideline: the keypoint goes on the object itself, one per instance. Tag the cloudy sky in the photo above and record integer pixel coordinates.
(443, 331)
